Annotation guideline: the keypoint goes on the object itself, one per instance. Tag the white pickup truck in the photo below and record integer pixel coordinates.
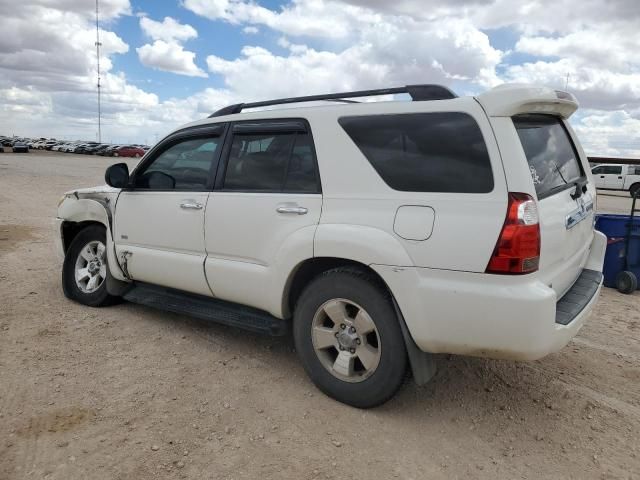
(617, 177)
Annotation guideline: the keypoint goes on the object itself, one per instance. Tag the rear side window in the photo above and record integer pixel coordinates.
(272, 162)
(552, 158)
(424, 152)
(608, 170)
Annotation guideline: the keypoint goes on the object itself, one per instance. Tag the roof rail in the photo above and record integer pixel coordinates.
(417, 93)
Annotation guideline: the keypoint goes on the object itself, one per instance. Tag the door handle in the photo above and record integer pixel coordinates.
(601, 176)
(191, 206)
(619, 178)
(292, 209)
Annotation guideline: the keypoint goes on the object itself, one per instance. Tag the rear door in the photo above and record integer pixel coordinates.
(566, 219)
(264, 210)
(615, 178)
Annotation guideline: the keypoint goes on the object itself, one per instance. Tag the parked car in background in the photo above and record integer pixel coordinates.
(49, 145)
(92, 149)
(617, 177)
(108, 152)
(20, 147)
(128, 151)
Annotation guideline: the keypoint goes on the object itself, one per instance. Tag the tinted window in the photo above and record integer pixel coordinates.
(553, 161)
(610, 169)
(278, 162)
(183, 166)
(634, 170)
(424, 152)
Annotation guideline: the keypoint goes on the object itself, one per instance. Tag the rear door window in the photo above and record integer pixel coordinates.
(424, 152)
(272, 162)
(553, 161)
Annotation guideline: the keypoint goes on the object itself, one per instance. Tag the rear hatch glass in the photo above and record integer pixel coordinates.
(553, 160)
(565, 223)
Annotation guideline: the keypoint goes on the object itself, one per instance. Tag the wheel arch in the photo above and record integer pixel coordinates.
(308, 269)
(423, 365)
(78, 213)
(69, 230)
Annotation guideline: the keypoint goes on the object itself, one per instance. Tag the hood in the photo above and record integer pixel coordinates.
(101, 189)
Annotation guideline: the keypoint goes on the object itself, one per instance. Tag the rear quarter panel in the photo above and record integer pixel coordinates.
(359, 208)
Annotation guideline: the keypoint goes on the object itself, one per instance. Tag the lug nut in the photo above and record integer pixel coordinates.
(341, 347)
(343, 326)
(358, 341)
(352, 330)
(337, 334)
(352, 350)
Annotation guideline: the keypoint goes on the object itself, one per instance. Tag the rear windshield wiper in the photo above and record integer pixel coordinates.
(581, 187)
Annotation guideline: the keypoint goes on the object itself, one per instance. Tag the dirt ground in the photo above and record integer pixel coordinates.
(128, 392)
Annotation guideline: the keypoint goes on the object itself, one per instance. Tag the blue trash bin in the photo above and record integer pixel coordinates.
(616, 228)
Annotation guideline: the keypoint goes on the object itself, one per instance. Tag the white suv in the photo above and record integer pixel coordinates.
(382, 232)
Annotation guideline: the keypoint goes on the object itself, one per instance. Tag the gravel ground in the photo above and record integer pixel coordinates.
(127, 392)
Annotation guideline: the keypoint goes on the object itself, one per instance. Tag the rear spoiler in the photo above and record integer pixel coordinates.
(513, 99)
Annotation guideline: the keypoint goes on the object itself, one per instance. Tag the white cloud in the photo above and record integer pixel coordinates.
(327, 19)
(608, 133)
(168, 30)
(47, 73)
(170, 57)
(166, 52)
(381, 56)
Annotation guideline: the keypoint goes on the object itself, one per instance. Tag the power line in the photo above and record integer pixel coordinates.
(98, 45)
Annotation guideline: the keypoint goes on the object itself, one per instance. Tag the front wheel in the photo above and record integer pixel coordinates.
(348, 337)
(634, 190)
(84, 272)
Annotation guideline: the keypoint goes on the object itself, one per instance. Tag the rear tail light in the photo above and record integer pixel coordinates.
(518, 248)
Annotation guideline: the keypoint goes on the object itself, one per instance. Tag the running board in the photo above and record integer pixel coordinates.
(206, 308)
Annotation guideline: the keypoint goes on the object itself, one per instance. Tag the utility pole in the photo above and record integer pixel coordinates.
(98, 45)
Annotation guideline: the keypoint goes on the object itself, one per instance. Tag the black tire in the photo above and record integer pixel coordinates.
(626, 282)
(634, 189)
(98, 298)
(365, 290)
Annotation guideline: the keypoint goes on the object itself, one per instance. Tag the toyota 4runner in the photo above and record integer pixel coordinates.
(380, 232)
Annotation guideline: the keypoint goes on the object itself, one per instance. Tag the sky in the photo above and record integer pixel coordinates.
(166, 63)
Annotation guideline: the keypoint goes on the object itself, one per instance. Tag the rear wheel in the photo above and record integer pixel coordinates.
(348, 337)
(84, 272)
(626, 282)
(634, 190)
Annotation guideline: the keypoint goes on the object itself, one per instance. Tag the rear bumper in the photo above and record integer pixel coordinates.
(496, 316)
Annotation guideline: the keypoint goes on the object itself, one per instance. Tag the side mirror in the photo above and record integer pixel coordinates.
(117, 176)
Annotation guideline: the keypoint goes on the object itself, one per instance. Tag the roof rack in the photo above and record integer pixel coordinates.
(417, 93)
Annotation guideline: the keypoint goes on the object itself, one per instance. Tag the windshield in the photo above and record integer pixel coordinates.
(552, 158)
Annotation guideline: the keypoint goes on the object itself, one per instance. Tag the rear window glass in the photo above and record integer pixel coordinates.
(424, 152)
(553, 161)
